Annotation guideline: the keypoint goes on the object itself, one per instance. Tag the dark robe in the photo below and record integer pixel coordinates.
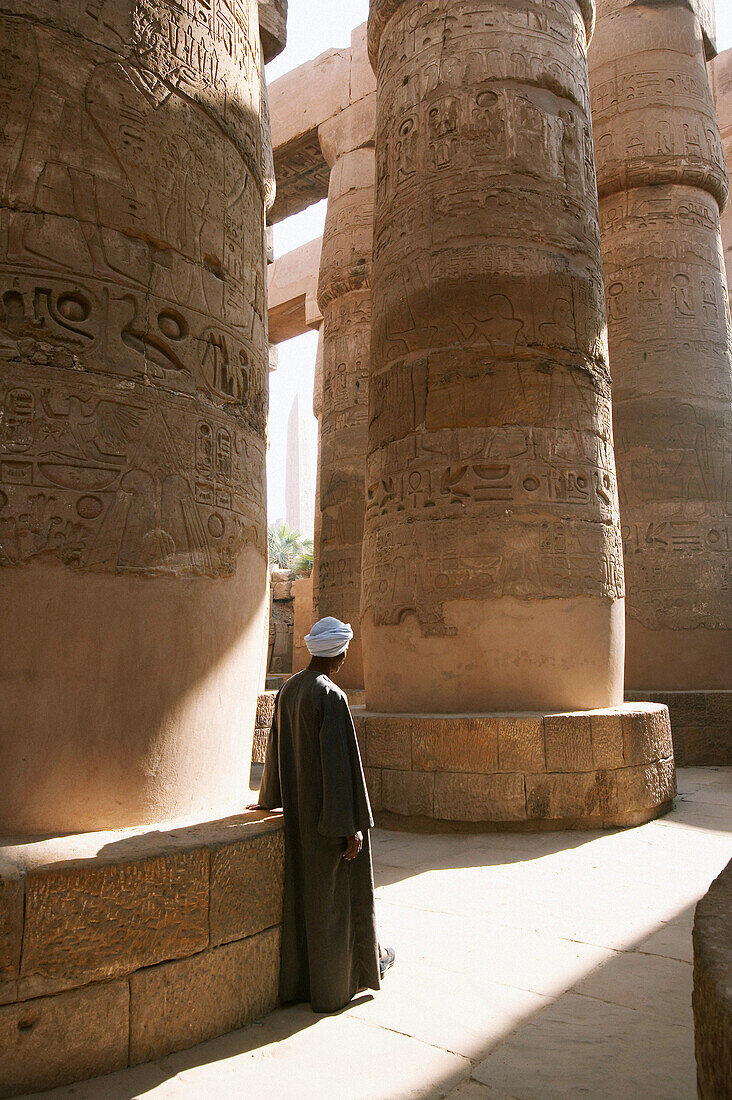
(313, 770)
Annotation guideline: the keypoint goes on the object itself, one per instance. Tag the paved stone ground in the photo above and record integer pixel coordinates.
(536, 967)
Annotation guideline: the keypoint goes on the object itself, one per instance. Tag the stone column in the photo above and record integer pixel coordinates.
(661, 181)
(720, 73)
(133, 363)
(492, 573)
(344, 298)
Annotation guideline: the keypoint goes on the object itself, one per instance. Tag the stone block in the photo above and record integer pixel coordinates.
(710, 746)
(282, 590)
(521, 744)
(607, 739)
(179, 1004)
(100, 920)
(246, 887)
(719, 709)
(645, 786)
(11, 922)
(455, 744)
(389, 742)
(373, 783)
(410, 794)
(361, 725)
(646, 734)
(265, 709)
(572, 796)
(259, 745)
(53, 1041)
(498, 797)
(568, 740)
(687, 708)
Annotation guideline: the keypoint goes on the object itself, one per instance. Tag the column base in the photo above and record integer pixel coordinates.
(701, 723)
(579, 770)
(119, 948)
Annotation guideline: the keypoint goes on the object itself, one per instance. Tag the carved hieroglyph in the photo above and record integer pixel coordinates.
(132, 325)
(344, 296)
(661, 180)
(493, 571)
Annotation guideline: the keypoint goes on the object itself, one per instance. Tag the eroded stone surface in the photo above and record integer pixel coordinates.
(97, 922)
(54, 1040)
(178, 1004)
(490, 493)
(246, 888)
(11, 923)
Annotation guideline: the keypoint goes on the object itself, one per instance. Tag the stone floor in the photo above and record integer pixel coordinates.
(536, 967)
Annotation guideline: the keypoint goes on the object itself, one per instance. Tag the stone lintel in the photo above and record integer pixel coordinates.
(586, 769)
(301, 102)
(272, 27)
(292, 287)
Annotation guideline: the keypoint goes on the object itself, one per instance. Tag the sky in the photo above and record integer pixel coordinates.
(309, 34)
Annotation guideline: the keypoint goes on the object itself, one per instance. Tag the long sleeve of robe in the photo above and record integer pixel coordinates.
(313, 770)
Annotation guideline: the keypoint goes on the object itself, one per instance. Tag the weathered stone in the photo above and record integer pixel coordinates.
(707, 746)
(607, 739)
(265, 709)
(373, 784)
(521, 743)
(499, 797)
(53, 1041)
(568, 739)
(87, 923)
(712, 998)
(178, 1004)
(720, 75)
(492, 564)
(272, 27)
(661, 178)
(408, 793)
(455, 744)
(572, 797)
(11, 922)
(246, 887)
(646, 785)
(646, 734)
(389, 742)
(133, 390)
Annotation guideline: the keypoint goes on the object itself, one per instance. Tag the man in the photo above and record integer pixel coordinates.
(313, 770)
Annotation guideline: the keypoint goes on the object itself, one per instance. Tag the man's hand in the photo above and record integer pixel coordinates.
(354, 844)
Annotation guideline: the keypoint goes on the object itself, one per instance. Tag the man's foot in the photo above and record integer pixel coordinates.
(386, 960)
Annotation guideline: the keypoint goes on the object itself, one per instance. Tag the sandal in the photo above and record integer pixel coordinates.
(386, 960)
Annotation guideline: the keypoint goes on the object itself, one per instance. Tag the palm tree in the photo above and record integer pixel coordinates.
(286, 546)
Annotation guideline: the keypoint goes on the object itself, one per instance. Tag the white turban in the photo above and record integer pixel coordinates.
(329, 637)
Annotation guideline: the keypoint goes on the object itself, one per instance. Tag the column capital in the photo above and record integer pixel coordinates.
(381, 12)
